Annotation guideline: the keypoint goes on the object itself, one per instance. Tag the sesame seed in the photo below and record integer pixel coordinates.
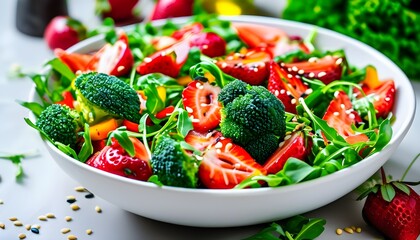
(71, 237)
(13, 219)
(387, 99)
(65, 230)
(321, 74)
(1, 202)
(289, 69)
(205, 46)
(36, 226)
(336, 93)
(282, 64)
(293, 101)
(352, 116)
(74, 207)
(288, 93)
(189, 110)
(281, 144)
(80, 189)
(343, 106)
(348, 230)
(89, 231)
(308, 91)
(98, 209)
(199, 157)
(17, 223)
(224, 65)
(301, 71)
(2, 226)
(313, 59)
(22, 236)
(311, 75)
(336, 113)
(35, 230)
(50, 215)
(276, 93)
(287, 137)
(282, 91)
(78, 72)
(218, 145)
(195, 120)
(295, 69)
(42, 218)
(289, 75)
(204, 104)
(358, 230)
(228, 146)
(120, 68)
(256, 69)
(28, 227)
(147, 60)
(339, 61)
(339, 231)
(218, 151)
(237, 165)
(89, 195)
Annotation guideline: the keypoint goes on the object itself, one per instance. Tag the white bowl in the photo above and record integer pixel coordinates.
(230, 208)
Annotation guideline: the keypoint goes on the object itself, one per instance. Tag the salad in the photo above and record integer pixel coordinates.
(212, 104)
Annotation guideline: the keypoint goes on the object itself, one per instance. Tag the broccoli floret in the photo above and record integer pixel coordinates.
(100, 95)
(60, 123)
(253, 117)
(171, 163)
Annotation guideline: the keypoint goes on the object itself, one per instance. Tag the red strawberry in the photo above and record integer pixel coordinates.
(167, 61)
(383, 98)
(188, 29)
(63, 32)
(341, 116)
(226, 164)
(172, 8)
(393, 208)
(200, 101)
(209, 43)
(118, 10)
(113, 59)
(285, 86)
(295, 145)
(250, 67)
(201, 141)
(326, 69)
(115, 159)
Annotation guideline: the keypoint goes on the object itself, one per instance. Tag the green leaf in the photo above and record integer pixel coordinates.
(387, 192)
(312, 229)
(34, 107)
(184, 123)
(155, 179)
(384, 136)
(401, 186)
(296, 170)
(67, 150)
(87, 148)
(124, 141)
(154, 103)
(62, 69)
(272, 232)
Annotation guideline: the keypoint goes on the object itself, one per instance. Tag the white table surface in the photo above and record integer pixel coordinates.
(45, 187)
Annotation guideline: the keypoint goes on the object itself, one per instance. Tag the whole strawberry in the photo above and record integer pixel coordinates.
(63, 32)
(121, 11)
(209, 43)
(393, 208)
(172, 8)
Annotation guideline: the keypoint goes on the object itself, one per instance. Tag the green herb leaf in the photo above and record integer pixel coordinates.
(155, 179)
(35, 107)
(62, 69)
(87, 148)
(312, 229)
(184, 123)
(401, 186)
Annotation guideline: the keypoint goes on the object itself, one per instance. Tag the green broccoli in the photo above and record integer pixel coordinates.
(60, 123)
(171, 163)
(100, 95)
(390, 26)
(253, 117)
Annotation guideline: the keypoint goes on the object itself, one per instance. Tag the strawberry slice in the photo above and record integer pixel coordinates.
(201, 141)
(209, 43)
(226, 164)
(113, 59)
(285, 86)
(167, 61)
(383, 98)
(274, 40)
(188, 29)
(295, 145)
(114, 159)
(200, 101)
(341, 116)
(249, 66)
(327, 69)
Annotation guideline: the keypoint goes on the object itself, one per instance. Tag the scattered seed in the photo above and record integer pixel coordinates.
(65, 230)
(80, 189)
(98, 209)
(28, 227)
(71, 199)
(71, 237)
(35, 230)
(13, 219)
(89, 231)
(36, 226)
(2, 226)
(50, 215)
(1, 202)
(75, 207)
(22, 236)
(339, 231)
(348, 230)
(42, 218)
(358, 230)
(17, 223)
(68, 218)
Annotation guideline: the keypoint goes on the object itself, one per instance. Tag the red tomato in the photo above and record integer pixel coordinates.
(226, 164)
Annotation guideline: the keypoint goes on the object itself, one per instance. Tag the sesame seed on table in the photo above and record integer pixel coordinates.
(48, 204)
